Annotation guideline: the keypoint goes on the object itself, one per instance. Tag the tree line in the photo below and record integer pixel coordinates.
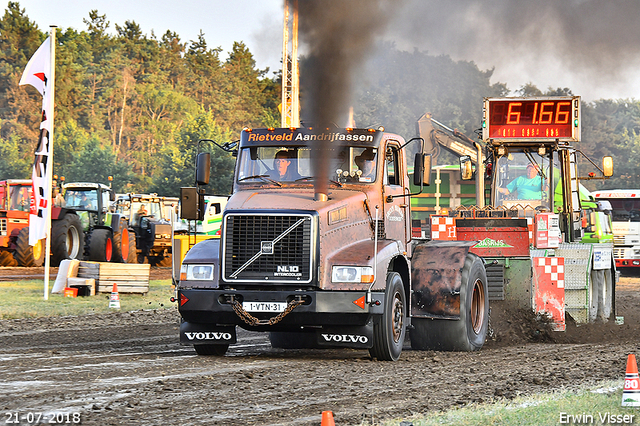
(134, 106)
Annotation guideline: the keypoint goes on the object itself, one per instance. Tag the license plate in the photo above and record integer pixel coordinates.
(264, 306)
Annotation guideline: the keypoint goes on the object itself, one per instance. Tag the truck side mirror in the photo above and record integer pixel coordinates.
(466, 169)
(422, 169)
(112, 196)
(607, 166)
(203, 168)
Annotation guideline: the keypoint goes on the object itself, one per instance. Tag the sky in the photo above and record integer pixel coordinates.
(590, 46)
(257, 23)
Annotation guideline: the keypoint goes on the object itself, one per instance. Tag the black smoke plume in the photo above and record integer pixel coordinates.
(337, 36)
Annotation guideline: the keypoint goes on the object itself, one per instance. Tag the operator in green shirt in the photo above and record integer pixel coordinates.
(528, 187)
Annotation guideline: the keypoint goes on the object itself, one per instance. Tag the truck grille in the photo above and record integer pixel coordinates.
(268, 248)
(3, 227)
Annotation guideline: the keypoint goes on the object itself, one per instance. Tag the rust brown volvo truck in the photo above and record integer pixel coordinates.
(332, 269)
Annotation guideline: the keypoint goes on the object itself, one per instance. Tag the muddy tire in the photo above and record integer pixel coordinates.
(101, 245)
(7, 259)
(215, 350)
(67, 239)
(389, 328)
(121, 241)
(470, 331)
(27, 255)
(133, 252)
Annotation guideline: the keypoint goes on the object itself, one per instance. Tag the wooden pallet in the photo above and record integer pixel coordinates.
(131, 278)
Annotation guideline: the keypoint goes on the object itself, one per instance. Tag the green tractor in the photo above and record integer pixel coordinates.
(84, 227)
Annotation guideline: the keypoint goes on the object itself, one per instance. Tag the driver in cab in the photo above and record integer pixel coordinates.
(527, 187)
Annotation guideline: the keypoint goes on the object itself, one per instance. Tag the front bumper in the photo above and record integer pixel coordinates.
(321, 308)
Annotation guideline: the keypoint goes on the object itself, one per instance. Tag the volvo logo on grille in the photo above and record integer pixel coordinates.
(266, 247)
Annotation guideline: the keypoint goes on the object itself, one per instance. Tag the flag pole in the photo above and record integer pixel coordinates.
(49, 190)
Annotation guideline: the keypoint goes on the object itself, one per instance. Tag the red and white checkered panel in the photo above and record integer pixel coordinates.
(531, 228)
(548, 287)
(554, 267)
(443, 228)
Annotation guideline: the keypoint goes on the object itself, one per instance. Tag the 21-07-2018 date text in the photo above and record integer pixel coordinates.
(37, 418)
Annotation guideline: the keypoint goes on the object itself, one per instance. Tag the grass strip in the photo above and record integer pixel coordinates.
(599, 404)
(25, 299)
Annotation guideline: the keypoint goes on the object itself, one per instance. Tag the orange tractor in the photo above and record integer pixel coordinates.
(14, 226)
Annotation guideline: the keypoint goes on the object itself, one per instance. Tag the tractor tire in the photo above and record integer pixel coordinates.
(25, 254)
(215, 350)
(6, 259)
(606, 296)
(121, 241)
(133, 251)
(67, 239)
(101, 245)
(596, 282)
(389, 328)
(470, 331)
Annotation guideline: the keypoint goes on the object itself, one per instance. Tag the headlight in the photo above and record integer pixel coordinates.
(196, 272)
(352, 274)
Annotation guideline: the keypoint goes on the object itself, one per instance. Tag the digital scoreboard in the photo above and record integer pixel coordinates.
(539, 118)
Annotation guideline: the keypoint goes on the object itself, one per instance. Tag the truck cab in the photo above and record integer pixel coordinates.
(322, 264)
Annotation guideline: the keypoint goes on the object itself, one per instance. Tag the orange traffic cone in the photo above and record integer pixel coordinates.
(631, 393)
(327, 419)
(114, 301)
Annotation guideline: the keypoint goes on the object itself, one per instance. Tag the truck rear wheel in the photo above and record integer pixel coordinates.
(470, 331)
(215, 350)
(67, 239)
(100, 245)
(25, 254)
(389, 328)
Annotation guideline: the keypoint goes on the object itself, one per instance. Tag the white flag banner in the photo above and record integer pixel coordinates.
(38, 73)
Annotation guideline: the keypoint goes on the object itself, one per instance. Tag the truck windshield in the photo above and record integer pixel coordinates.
(523, 180)
(293, 164)
(19, 198)
(625, 209)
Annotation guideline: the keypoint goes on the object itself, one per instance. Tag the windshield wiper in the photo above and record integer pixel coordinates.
(303, 178)
(336, 182)
(264, 177)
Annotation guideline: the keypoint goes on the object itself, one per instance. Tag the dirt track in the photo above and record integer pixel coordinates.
(127, 368)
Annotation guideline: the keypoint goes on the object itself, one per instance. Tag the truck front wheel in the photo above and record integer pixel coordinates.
(389, 328)
(216, 350)
(470, 331)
